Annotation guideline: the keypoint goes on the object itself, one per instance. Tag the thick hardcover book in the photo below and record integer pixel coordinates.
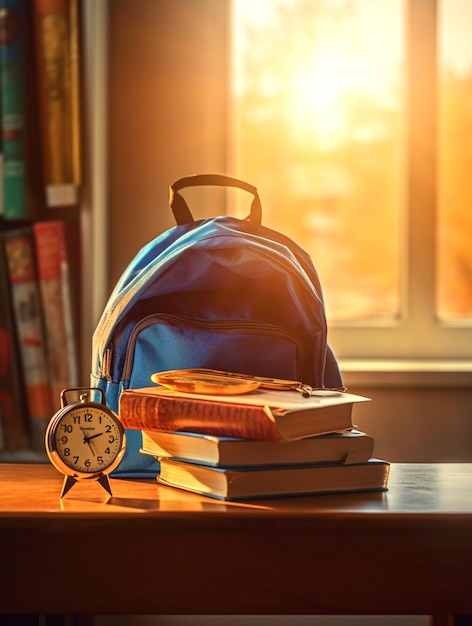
(12, 64)
(346, 447)
(264, 482)
(260, 415)
(56, 30)
(54, 239)
(30, 330)
(13, 410)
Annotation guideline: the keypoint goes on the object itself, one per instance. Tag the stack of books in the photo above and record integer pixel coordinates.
(265, 443)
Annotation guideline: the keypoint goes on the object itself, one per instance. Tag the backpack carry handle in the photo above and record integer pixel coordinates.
(180, 208)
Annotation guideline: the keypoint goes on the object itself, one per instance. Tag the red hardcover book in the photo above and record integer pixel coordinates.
(30, 330)
(54, 239)
(263, 414)
(13, 410)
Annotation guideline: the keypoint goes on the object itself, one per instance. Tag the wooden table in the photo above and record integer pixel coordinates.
(156, 550)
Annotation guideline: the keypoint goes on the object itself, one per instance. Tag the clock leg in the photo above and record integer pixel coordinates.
(67, 484)
(105, 483)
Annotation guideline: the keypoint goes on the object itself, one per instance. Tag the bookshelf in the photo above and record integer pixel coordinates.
(84, 210)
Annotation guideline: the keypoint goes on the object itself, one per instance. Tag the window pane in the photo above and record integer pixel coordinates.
(454, 288)
(318, 122)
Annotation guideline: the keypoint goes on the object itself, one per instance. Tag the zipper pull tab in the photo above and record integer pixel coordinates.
(308, 391)
(106, 367)
(305, 390)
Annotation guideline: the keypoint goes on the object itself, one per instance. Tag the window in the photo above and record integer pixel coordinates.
(454, 294)
(354, 120)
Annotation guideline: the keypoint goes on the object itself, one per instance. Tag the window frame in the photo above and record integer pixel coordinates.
(417, 335)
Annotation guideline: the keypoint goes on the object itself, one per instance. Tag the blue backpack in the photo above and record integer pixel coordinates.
(220, 293)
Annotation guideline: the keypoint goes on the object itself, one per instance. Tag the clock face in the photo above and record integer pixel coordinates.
(85, 439)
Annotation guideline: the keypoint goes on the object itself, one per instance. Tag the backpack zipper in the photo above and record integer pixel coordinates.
(124, 300)
(222, 325)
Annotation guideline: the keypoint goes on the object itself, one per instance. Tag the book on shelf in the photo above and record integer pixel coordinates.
(2, 200)
(344, 447)
(56, 36)
(56, 254)
(262, 482)
(13, 409)
(35, 191)
(24, 289)
(2, 438)
(262, 414)
(12, 68)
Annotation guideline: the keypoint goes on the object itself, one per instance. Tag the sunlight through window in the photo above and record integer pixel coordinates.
(454, 233)
(319, 128)
(320, 125)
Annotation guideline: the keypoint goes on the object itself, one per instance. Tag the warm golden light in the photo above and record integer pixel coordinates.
(321, 127)
(318, 94)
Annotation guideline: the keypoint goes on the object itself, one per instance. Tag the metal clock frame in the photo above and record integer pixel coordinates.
(71, 474)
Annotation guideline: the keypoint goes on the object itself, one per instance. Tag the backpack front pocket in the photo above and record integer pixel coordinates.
(163, 342)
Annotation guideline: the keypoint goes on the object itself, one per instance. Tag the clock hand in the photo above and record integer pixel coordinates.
(87, 441)
(88, 438)
(93, 436)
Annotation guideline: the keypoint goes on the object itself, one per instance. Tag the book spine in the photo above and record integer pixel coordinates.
(2, 436)
(30, 332)
(58, 75)
(13, 410)
(33, 154)
(12, 99)
(74, 46)
(54, 281)
(149, 412)
(2, 199)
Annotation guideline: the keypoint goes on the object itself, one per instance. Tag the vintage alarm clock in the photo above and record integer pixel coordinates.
(85, 439)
